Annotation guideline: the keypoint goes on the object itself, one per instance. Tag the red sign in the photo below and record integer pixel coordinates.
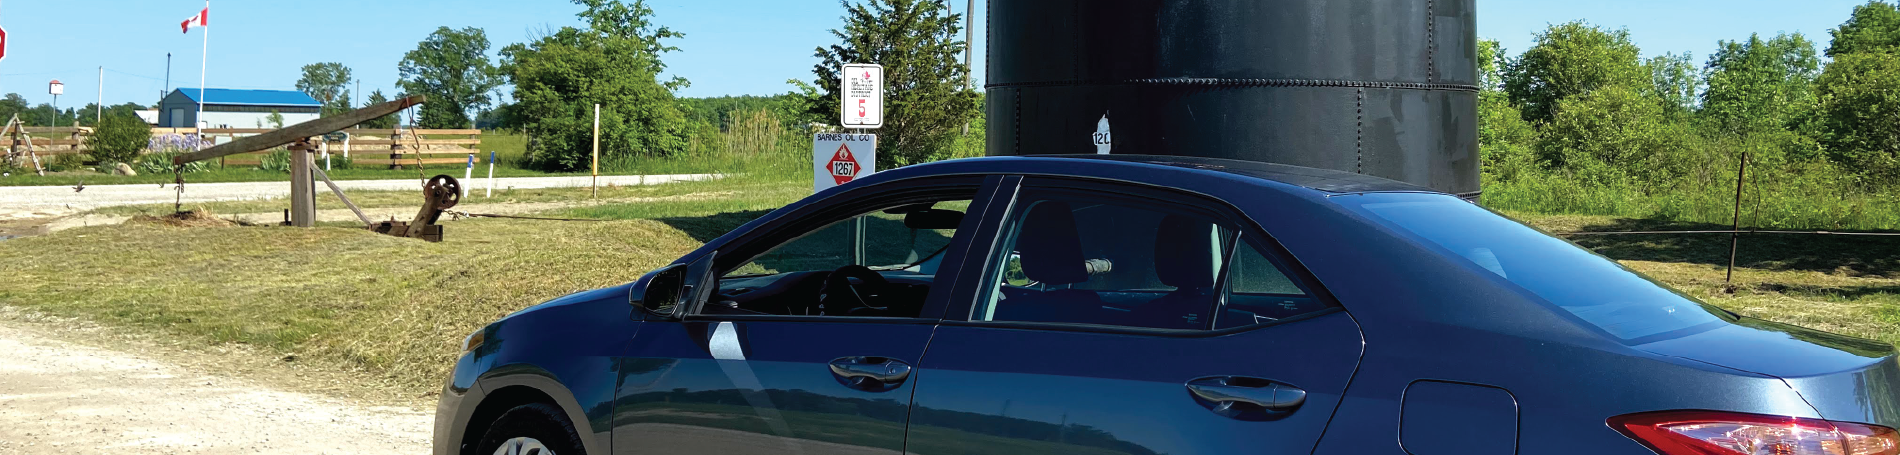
(3, 43)
(844, 166)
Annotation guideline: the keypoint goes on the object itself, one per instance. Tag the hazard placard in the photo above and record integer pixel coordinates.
(838, 159)
(861, 88)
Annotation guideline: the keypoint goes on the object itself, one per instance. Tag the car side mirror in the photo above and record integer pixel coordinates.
(663, 291)
(933, 219)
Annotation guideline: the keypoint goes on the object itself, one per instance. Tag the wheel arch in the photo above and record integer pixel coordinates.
(517, 385)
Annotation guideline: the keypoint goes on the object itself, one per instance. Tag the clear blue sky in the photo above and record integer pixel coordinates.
(732, 47)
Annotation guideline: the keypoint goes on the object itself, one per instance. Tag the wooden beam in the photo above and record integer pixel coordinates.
(414, 142)
(424, 132)
(299, 131)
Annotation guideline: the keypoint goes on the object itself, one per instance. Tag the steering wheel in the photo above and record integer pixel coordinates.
(840, 296)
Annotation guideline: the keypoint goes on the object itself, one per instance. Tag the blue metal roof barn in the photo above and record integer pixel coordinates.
(232, 108)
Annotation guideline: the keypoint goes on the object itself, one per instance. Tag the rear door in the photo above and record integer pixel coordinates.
(811, 334)
(1114, 319)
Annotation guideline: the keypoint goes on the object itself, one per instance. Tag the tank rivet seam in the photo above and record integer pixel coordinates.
(1431, 40)
(1359, 132)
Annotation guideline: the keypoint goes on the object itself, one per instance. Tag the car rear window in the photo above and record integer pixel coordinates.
(1623, 303)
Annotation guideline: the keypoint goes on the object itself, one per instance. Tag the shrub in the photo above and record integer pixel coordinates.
(119, 139)
(161, 163)
(277, 160)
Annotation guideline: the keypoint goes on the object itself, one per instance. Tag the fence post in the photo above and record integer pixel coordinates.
(1735, 234)
(395, 149)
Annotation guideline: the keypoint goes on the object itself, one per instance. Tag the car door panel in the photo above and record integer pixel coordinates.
(992, 389)
(762, 387)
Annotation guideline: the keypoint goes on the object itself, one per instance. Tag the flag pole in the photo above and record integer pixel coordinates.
(202, 66)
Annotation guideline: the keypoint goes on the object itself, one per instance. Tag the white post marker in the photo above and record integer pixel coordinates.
(491, 176)
(323, 146)
(838, 159)
(862, 91)
(468, 173)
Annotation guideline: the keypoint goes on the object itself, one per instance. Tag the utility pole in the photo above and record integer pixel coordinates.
(168, 76)
(969, 49)
(99, 108)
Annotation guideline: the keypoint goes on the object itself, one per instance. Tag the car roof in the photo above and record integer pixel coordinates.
(1313, 178)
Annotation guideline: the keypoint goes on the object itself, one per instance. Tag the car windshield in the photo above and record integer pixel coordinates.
(1621, 302)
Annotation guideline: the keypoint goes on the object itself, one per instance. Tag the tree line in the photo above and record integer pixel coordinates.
(614, 59)
(1583, 105)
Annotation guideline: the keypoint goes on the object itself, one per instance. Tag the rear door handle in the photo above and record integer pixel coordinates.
(870, 372)
(1231, 393)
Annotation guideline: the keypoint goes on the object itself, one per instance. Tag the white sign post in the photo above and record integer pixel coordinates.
(861, 87)
(838, 159)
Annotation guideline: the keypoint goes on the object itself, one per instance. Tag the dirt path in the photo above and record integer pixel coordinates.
(54, 201)
(60, 397)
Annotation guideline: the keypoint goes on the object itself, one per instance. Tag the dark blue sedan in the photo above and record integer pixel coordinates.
(1153, 305)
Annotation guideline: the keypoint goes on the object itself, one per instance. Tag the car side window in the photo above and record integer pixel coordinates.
(1075, 258)
(879, 263)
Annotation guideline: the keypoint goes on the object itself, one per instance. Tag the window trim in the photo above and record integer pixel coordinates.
(798, 223)
(964, 304)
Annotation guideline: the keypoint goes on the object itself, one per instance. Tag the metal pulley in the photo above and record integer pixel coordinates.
(441, 193)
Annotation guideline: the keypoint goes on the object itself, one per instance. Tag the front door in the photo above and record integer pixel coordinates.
(810, 340)
(1116, 320)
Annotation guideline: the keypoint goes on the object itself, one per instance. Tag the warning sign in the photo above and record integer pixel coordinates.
(861, 87)
(838, 159)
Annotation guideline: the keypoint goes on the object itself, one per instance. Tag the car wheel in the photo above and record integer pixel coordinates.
(530, 429)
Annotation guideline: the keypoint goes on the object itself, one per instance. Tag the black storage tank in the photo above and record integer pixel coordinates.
(1379, 87)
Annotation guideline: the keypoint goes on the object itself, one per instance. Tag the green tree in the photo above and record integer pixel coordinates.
(328, 82)
(1860, 111)
(1675, 82)
(385, 122)
(1571, 59)
(926, 104)
(452, 68)
(14, 104)
(119, 139)
(1505, 140)
(1614, 134)
(89, 115)
(614, 63)
(1875, 27)
(1761, 91)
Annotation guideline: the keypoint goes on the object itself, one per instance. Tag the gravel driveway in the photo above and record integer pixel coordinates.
(49, 201)
(59, 397)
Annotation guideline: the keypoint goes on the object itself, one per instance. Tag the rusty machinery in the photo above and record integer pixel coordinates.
(440, 193)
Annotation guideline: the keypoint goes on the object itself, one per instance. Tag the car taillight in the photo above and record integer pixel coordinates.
(1728, 433)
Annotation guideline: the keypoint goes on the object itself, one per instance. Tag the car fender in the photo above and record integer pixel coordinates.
(539, 379)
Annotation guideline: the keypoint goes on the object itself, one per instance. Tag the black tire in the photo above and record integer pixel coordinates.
(543, 422)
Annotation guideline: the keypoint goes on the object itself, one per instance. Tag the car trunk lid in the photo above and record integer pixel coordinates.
(1843, 378)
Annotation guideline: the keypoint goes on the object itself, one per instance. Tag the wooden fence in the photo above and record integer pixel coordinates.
(374, 147)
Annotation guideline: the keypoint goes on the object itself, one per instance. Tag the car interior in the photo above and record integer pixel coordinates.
(1085, 265)
(911, 250)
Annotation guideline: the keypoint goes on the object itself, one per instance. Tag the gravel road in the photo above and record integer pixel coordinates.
(59, 397)
(51, 201)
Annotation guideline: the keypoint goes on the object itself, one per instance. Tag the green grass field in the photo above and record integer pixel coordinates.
(393, 310)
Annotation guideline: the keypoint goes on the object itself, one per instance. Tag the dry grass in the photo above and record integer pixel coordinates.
(347, 298)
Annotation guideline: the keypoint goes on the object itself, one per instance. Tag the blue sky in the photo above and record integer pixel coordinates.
(732, 47)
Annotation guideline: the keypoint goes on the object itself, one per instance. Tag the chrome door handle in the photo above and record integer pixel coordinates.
(1226, 392)
(866, 371)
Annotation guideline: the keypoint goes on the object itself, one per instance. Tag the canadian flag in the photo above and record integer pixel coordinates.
(202, 19)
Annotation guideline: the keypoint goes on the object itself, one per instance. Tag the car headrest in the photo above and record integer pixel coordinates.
(1184, 252)
(1050, 248)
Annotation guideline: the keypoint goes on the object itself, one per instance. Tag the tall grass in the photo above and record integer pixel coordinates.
(1773, 197)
